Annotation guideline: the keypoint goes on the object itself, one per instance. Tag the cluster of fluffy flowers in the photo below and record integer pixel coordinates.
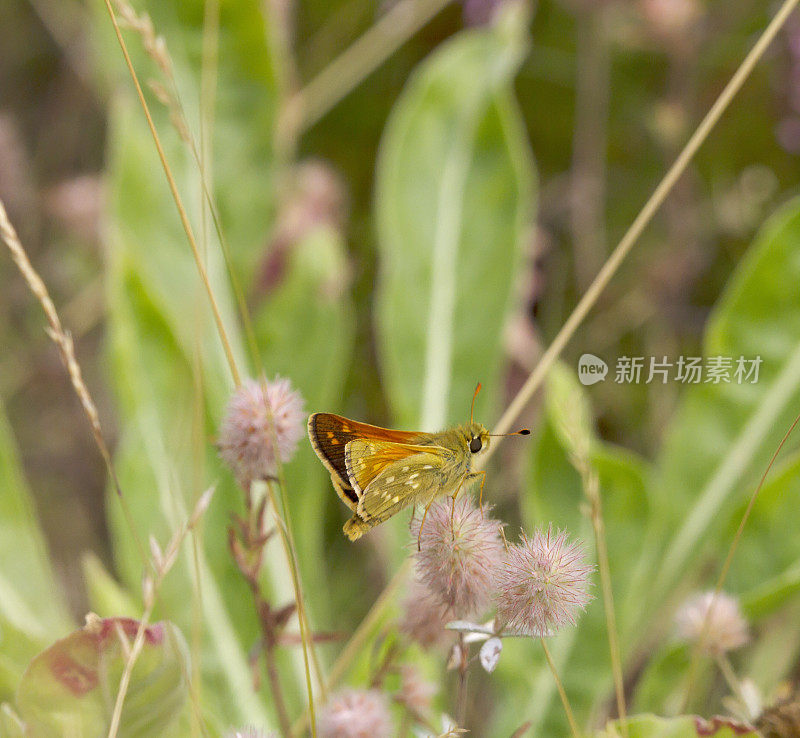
(463, 566)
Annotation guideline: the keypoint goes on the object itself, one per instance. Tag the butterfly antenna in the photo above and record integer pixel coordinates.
(520, 432)
(472, 406)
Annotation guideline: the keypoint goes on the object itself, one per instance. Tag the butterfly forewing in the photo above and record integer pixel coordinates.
(330, 435)
(365, 460)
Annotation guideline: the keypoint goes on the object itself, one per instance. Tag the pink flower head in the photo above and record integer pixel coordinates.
(716, 624)
(459, 554)
(356, 713)
(262, 417)
(542, 583)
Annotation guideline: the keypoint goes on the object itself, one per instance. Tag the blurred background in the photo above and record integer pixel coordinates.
(607, 93)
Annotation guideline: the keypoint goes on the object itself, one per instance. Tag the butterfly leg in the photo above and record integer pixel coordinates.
(453, 508)
(482, 475)
(424, 515)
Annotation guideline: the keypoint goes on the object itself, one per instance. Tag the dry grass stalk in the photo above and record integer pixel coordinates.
(63, 341)
(160, 566)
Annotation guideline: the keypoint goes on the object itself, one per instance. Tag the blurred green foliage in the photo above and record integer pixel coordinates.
(451, 259)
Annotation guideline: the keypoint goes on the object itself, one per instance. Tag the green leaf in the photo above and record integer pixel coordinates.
(71, 688)
(723, 435)
(454, 199)
(32, 610)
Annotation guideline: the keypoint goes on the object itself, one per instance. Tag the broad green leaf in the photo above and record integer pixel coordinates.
(32, 610)
(723, 435)
(685, 726)
(454, 199)
(71, 688)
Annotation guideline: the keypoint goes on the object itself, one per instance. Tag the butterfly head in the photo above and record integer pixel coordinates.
(476, 437)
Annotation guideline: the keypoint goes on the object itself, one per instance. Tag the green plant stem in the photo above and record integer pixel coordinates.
(354, 64)
(725, 666)
(277, 690)
(591, 485)
(576, 733)
(138, 644)
(644, 217)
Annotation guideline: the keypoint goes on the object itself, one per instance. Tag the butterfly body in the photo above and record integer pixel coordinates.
(377, 471)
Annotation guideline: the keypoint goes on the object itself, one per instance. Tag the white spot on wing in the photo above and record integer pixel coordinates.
(405, 468)
(389, 480)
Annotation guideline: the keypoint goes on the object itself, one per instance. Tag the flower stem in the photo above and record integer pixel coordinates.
(726, 668)
(277, 690)
(353, 647)
(561, 693)
(307, 641)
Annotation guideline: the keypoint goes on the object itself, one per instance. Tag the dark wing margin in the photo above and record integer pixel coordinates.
(324, 432)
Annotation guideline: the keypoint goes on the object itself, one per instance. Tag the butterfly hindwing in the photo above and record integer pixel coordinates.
(390, 476)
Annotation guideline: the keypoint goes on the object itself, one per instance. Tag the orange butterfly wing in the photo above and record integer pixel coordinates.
(330, 434)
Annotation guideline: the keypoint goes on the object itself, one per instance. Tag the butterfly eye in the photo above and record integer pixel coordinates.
(475, 444)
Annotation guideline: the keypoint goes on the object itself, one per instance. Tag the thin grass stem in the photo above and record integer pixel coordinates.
(354, 645)
(63, 341)
(288, 544)
(576, 733)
